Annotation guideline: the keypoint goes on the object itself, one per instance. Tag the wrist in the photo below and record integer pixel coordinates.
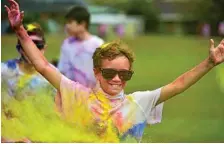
(209, 63)
(18, 29)
(21, 33)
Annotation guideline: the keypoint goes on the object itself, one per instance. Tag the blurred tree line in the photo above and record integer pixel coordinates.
(199, 11)
(136, 7)
(202, 11)
(207, 11)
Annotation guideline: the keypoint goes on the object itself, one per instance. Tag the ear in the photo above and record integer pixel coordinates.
(84, 24)
(96, 73)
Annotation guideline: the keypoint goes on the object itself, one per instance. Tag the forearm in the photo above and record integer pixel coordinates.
(186, 80)
(189, 78)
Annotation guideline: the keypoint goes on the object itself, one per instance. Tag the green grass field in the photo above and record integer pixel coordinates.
(196, 115)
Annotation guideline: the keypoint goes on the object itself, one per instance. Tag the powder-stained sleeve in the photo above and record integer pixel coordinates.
(147, 101)
(70, 95)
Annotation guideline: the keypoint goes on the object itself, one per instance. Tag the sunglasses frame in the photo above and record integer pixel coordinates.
(40, 45)
(118, 72)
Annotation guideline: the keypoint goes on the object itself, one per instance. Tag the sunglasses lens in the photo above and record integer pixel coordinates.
(108, 73)
(39, 44)
(125, 75)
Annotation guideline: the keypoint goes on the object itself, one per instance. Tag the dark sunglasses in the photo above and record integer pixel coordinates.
(109, 73)
(39, 43)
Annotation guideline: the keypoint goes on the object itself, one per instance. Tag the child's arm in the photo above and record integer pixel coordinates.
(183, 82)
(35, 56)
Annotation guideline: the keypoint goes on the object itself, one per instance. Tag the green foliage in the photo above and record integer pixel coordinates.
(209, 11)
(146, 9)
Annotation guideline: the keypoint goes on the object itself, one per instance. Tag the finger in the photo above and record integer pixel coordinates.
(14, 4)
(221, 49)
(221, 46)
(11, 4)
(222, 42)
(212, 44)
(7, 9)
(22, 15)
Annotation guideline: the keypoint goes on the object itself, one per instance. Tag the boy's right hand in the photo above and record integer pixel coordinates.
(14, 15)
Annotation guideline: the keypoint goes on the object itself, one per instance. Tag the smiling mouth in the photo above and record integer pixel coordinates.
(115, 85)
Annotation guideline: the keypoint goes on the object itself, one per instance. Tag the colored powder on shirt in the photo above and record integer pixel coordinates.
(36, 119)
(108, 132)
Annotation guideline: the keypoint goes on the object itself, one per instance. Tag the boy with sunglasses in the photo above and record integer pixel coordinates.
(127, 115)
(76, 52)
(19, 77)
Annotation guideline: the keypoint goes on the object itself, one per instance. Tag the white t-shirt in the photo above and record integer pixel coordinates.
(76, 61)
(129, 113)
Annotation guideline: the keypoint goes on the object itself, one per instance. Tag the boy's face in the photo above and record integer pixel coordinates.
(33, 37)
(114, 85)
(74, 28)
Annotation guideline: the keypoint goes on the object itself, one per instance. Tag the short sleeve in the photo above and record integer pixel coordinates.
(70, 93)
(147, 102)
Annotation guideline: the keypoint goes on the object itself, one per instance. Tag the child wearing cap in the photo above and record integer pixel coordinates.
(19, 77)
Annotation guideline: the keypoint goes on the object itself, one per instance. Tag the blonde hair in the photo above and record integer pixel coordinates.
(112, 50)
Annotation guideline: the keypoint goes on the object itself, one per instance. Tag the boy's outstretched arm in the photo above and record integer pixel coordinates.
(183, 82)
(35, 56)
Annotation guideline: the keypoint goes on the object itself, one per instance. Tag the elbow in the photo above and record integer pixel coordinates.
(177, 88)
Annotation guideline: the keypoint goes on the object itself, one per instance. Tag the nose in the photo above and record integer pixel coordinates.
(116, 78)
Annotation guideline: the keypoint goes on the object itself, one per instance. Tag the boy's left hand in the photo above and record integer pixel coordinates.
(216, 54)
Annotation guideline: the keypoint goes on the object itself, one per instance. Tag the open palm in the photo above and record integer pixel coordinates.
(216, 54)
(14, 15)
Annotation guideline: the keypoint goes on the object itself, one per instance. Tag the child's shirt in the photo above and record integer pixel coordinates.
(20, 84)
(76, 61)
(128, 114)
